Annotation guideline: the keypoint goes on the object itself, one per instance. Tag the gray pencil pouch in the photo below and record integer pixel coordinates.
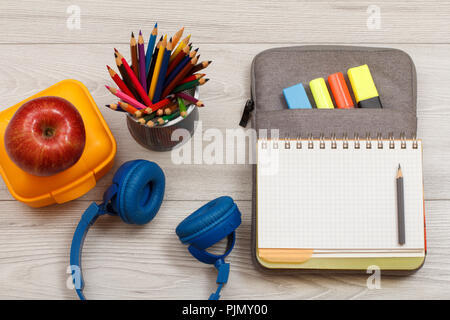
(272, 70)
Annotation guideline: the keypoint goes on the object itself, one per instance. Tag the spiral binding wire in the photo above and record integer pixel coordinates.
(368, 142)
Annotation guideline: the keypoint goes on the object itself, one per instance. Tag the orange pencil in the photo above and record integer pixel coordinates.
(176, 37)
(180, 47)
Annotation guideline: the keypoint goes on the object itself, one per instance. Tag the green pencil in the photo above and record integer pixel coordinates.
(182, 107)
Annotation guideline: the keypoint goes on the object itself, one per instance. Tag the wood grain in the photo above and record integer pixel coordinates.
(228, 91)
(232, 21)
(149, 262)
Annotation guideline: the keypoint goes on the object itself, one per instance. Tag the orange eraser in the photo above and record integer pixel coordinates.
(340, 91)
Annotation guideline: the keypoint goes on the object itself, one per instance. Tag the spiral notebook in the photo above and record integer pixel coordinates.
(336, 200)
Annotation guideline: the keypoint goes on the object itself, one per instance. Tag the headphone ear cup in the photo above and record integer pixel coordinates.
(141, 185)
(210, 223)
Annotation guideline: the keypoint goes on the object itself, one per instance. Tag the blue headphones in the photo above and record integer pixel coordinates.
(136, 195)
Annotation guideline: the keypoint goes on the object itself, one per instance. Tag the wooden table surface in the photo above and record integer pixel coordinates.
(37, 49)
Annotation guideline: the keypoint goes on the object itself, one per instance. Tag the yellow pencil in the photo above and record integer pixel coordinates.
(161, 51)
(180, 47)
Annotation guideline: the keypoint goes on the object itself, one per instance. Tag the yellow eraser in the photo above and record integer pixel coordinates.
(320, 93)
(362, 83)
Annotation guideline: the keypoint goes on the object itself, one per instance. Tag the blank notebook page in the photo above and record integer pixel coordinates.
(338, 198)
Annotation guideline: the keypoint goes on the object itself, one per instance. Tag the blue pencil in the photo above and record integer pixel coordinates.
(162, 73)
(150, 47)
(180, 67)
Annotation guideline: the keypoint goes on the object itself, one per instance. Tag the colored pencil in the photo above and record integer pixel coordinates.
(162, 73)
(180, 47)
(115, 107)
(134, 55)
(161, 111)
(182, 106)
(172, 116)
(190, 98)
(180, 67)
(147, 118)
(122, 86)
(193, 77)
(136, 83)
(178, 59)
(180, 76)
(176, 37)
(400, 207)
(142, 70)
(164, 119)
(124, 74)
(151, 123)
(159, 59)
(153, 63)
(189, 85)
(200, 66)
(150, 47)
(159, 105)
(119, 94)
(130, 109)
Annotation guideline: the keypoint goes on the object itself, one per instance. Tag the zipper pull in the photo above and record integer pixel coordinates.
(249, 106)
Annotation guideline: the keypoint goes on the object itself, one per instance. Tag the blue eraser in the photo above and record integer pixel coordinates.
(296, 97)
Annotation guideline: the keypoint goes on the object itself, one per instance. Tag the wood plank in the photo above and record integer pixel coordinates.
(235, 21)
(224, 96)
(148, 262)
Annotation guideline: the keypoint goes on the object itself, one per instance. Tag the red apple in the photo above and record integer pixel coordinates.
(45, 136)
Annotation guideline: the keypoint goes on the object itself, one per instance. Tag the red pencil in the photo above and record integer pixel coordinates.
(119, 94)
(159, 105)
(136, 83)
(119, 82)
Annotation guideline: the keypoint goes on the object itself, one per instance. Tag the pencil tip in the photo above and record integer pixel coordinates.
(210, 61)
(206, 80)
(196, 50)
(108, 67)
(115, 50)
(132, 34)
(156, 24)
